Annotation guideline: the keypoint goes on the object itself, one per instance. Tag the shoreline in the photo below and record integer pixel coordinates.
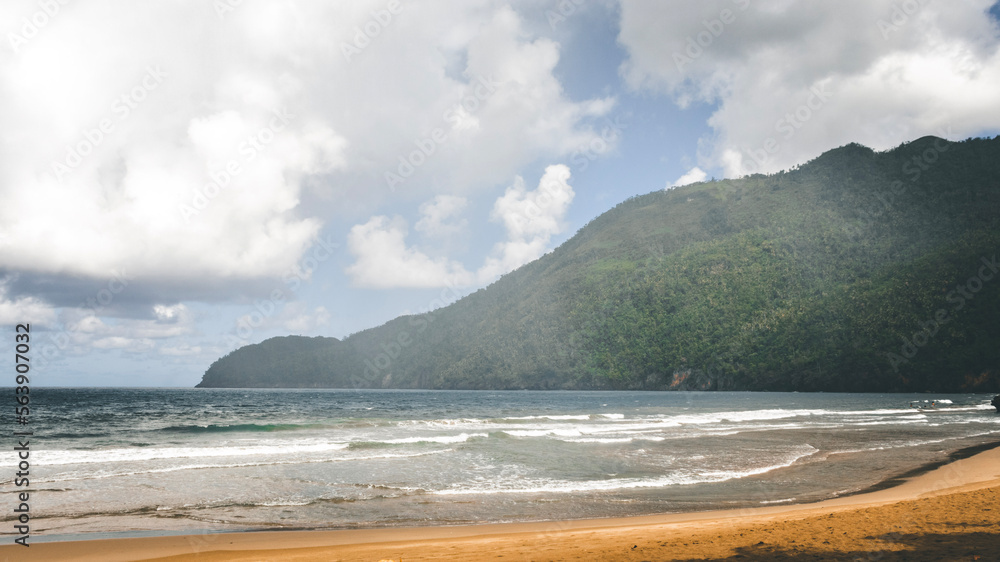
(893, 481)
(972, 470)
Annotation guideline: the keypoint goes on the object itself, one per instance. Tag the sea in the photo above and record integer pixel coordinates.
(109, 462)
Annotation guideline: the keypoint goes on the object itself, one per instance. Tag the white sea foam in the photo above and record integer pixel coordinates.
(598, 440)
(900, 421)
(611, 439)
(570, 432)
(460, 438)
(61, 457)
(522, 485)
(449, 423)
(879, 412)
(551, 417)
(67, 477)
(786, 500)
(258, 449)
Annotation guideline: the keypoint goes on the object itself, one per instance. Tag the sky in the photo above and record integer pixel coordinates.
(180, 179)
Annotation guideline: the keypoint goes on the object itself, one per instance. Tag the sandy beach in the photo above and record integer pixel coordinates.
(949, 513)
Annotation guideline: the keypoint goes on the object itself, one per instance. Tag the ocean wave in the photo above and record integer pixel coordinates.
(786, 500)
(240, 427)
(444, 439)
(282, 448)
(734, 416)
(570, 425)
(509, 420)
(446, 423)
(612, 439)
(522, 485)
(141, 471)
(551, 417)
(878, 412)
(64, 457)
(900, 421)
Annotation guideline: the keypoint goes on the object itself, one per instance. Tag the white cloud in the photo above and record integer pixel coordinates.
(384, 261)
(121, 342)
(293, 317)
(531, 218)
(265, 87)
(298, 319)
(165, 313)
(694, 175)
(435, 216)
(167, 322)
(794, 78)
(182, 350)
(23, 310)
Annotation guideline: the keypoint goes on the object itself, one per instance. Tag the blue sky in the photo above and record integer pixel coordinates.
(180, 180)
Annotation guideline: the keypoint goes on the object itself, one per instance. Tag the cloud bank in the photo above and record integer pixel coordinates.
(203, 147)
(792, 79)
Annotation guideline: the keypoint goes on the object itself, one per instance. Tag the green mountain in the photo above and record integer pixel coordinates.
(858, 271)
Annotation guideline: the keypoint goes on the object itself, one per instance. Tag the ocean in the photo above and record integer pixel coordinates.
(126, 462)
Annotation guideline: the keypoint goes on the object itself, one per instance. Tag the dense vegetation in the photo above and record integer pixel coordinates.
(858, 271)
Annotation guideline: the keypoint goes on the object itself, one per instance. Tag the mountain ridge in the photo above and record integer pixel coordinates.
(799, 280)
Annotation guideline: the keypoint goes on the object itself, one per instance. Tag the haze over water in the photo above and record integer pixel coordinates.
(109, 460)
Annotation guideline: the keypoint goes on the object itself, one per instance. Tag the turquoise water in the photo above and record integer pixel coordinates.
(164, 460)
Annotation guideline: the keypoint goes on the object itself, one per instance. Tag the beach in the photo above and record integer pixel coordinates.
(949, 513)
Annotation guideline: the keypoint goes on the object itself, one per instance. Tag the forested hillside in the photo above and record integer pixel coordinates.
(857, 271)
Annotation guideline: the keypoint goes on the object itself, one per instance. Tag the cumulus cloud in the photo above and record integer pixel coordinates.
(203, 150)
(79, 331)
(793, 78)
(436, 216)
(384, 260)
(138, 173)
(694, 175)
(298, 319)
(166, 322)
(530, 219)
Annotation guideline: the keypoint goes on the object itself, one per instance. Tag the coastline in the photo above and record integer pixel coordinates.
(926, 492)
